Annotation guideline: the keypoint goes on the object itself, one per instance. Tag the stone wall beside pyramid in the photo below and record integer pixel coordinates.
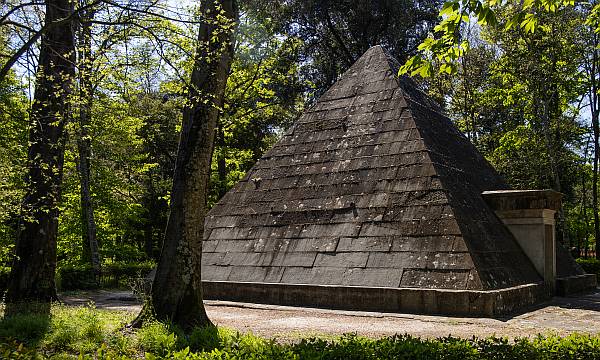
(372, 190)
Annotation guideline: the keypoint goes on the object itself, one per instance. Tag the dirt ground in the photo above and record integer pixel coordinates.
(562, 315)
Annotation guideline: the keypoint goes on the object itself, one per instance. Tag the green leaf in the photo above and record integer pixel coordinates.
(514, 21)
(426, 44)
(527, 4)
(529, 24)
(449, 8)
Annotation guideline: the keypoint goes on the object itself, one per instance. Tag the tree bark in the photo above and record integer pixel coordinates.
(221, 162)
(32, 273)
(88, 223)
(583, 210)
(177, 287)
(593, 95)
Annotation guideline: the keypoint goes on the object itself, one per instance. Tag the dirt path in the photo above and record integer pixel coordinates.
(563, 315)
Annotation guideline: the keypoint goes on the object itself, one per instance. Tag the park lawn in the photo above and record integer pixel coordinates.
(89, 333)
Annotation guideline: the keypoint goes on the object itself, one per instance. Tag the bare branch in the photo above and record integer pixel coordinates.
(14, 9)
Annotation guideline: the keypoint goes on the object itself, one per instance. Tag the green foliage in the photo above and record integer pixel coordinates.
(264, 95)
(24, 328)
(591, 265)
(446, 45)
(13, 152)
(522, 157)
(517, 95)
(334, 34)
(70, 330)
(156, 338)
(16, 350)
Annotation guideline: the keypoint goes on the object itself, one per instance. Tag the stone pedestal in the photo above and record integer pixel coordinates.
(529, 215)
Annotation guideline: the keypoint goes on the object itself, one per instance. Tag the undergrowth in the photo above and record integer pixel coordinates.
(89, 333)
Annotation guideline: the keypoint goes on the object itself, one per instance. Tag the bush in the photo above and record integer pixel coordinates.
(591, 265)
(237, 346)
(76, 277)
(81, 277)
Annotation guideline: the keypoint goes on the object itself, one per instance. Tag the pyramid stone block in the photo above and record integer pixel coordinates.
(372, 187)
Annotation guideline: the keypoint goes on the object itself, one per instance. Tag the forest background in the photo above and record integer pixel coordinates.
(525, 95)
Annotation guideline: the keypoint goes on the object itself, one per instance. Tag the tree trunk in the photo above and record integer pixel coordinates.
(593, 96)
(88, 223)
(221, 162)
(152, 219)
(177, 287)
(32, 273)
(596, 129)
(583, 239)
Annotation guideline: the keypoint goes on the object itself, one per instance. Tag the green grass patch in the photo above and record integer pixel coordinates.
(89, 333)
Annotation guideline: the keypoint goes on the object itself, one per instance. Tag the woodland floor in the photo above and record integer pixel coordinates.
(562, 316)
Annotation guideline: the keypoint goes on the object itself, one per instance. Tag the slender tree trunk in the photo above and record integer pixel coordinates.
(221, 162)
(583, 239)
(88, 223)
(32, 273)
(177, 287)
(148, 243)
(551, 112)
(596, 130)
(152, 205)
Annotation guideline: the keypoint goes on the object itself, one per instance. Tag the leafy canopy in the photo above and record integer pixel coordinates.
(446, 45)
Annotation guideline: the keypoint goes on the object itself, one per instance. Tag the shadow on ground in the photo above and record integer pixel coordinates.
(25, 323)
(586, 301)
(121, 300)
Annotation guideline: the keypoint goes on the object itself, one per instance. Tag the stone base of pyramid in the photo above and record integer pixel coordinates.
(569, 285)
(398, 300)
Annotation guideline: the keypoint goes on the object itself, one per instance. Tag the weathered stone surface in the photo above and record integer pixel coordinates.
(343, 260)
(369, 244)
(371, 187)
(576, 283)
(471, 303)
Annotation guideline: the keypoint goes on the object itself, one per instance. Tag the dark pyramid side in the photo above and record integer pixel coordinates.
(371, 187)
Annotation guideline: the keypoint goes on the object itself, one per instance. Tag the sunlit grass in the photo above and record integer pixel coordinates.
(88, 333)
(69, 330)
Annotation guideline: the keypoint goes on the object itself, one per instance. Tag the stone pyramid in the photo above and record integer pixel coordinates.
(371, 188)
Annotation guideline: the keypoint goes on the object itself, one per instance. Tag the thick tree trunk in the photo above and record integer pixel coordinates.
(177, 287)
(32, 273)
(88, 223)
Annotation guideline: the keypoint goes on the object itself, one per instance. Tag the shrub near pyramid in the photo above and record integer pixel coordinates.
(372, 200)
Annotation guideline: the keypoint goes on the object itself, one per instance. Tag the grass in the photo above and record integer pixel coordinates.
(68, 331)
(89, 333)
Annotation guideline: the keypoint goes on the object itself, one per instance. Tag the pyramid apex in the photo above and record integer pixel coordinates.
(375, 53)
(377, 47)
(377, 68)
